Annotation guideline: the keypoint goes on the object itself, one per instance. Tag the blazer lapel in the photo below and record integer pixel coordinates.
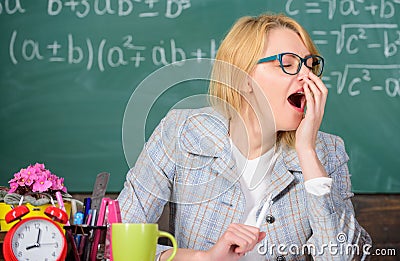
(292, 163)
(281, 177)
(287, 163)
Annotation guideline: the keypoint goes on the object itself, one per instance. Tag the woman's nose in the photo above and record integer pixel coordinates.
(304, 71)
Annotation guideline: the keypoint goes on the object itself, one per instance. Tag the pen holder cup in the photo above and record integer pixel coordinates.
(81, 240)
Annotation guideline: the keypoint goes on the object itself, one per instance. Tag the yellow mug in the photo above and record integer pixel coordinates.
(137, 242)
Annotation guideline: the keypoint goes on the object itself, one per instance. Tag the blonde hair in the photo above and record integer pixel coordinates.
(239, 52)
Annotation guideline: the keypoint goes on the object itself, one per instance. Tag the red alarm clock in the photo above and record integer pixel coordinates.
(35, 238)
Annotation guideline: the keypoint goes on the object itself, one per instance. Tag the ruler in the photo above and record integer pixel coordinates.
(99, 191)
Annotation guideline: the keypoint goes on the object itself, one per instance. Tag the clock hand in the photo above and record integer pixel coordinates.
(38, 236)
(32, 246)
(37, 241)
(49, 244)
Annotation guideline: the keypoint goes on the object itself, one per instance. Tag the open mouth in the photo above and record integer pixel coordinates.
(297, 99)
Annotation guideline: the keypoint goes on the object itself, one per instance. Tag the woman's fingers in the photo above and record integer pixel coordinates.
(261, 236)
(246, 236)
(237, 240)
(315, 93)
(320, 84)
(309, 98)
(318, 91)
(242, 237)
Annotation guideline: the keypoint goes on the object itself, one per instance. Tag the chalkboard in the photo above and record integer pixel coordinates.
(69, 68)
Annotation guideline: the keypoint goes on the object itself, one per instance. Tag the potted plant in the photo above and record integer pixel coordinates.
(34, 186)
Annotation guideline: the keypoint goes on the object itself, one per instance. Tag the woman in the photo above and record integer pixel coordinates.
(251, 177)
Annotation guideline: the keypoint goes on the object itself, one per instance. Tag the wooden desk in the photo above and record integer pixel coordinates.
(2, 235)
(377, 213)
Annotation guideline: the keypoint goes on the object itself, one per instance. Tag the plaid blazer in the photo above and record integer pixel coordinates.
(188, 163)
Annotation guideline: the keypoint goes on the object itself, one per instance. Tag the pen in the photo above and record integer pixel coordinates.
(93, 221)
(74, 209)
(61, 203)
(89, 218)
(78, 220)
(81, 249)
(263, 212)
(87, 204)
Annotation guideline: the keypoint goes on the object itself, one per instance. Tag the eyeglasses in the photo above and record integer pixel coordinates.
(291, 63)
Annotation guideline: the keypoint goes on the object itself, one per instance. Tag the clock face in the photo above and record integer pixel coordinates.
(37, 239)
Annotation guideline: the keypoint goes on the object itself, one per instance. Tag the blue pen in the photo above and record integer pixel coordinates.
(78, 220)
(87, 203)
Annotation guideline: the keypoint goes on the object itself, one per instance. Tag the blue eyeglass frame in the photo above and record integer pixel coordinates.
(303, 61)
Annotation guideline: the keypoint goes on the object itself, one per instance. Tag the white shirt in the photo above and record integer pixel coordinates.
(254, 181)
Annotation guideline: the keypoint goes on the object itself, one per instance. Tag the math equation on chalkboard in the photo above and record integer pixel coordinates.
(68, 69)
(360, 39)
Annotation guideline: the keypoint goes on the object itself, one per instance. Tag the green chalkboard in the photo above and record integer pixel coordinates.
(69, 68)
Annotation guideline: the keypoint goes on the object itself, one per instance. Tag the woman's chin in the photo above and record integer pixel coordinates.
(292, 125)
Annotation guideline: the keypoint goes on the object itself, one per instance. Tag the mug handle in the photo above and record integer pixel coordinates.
(170, 237)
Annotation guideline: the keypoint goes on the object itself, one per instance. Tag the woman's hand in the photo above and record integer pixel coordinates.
(306, 134)
(237, 240)
(316, 94)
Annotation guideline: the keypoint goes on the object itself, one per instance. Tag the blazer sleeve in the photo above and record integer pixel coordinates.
(148, 184)
(336, 233)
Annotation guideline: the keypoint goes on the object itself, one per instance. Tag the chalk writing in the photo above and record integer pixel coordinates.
(120, 8)
(11, 7)
(361, 38)
(385, 9)
(377, 37)
(108, 55)
(350, 37)
(364, 80)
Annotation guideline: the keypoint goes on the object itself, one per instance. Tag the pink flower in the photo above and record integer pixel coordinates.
(21, 182)
(30, 179)
(24, 172)
(41, 184)
(29, 176)
(35, 178)
(39, 166)
(17, 176)
(46, 173)
(53, 179)
(29, 170)
(13, 187)
(59, 185)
